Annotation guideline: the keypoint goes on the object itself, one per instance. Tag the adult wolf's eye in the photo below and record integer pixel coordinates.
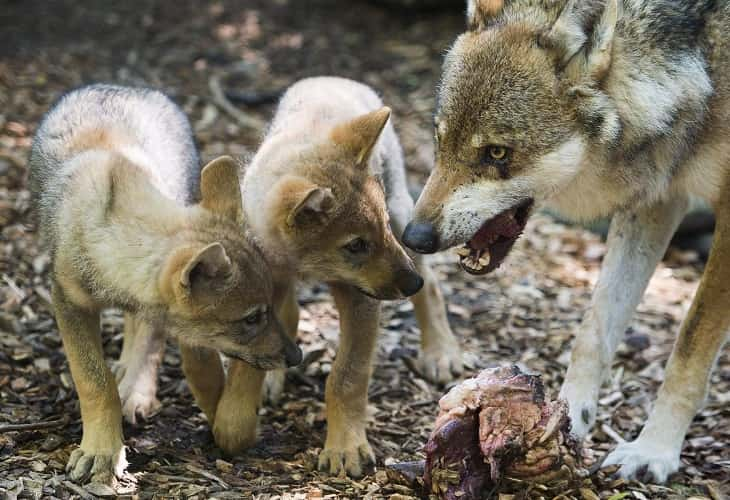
(497, 154)
(357, 245)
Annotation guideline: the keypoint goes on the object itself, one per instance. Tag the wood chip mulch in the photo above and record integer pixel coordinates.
(526, 313)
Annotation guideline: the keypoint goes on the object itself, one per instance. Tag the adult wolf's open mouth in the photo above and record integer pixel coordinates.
(486, 250)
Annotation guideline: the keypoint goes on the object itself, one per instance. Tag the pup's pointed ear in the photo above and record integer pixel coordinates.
(360, 135)
(479, 12)
(299, 201)
(220, 188)
(568, 37)
(209, 264)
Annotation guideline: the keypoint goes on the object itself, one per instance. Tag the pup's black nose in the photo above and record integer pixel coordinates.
(408, 282)
(421, 237)
(292, 354)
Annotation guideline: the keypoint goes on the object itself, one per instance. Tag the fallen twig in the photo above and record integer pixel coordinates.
(612, 434)
(219, 98)
(33, 426)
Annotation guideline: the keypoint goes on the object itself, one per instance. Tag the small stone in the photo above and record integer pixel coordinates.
(37, 466)
(51, 442)
(223, 466)
(19, 384)
(638, 341)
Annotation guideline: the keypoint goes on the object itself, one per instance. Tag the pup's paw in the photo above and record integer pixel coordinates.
(582, 401)
(440, 366)
(644, 459)
(96, 466)
(350, 460)
(274, 386)
(142, 404)
(138, 394)
(235, 431)
(119, 368)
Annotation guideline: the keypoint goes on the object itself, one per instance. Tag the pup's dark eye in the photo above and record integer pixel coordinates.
(255, 317)
(497, 155)
(357, 245)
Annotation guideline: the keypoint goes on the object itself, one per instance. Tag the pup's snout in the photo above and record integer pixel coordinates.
(421, 237)
(408, 282)
(292, 353)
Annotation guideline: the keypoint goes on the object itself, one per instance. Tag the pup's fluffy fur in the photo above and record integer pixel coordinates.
(113, 172)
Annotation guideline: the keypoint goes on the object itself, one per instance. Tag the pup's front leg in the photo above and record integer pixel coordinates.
(655, 453)
(288, 313)
(636, 242)
(440, 358)
(236, 416)
(204, 373)
(346, 449)
(100, 458)
(136, 371)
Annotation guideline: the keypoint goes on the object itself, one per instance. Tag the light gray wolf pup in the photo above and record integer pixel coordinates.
(113, 172)
(595, 107)
(326, 196)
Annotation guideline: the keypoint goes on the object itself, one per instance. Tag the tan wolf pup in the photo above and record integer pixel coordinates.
(597, 108)
(113, 171)
(325, 196)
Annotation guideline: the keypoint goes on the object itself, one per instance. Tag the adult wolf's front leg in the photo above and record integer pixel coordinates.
(656, 451)
(346, 448)
(100, 458)
(636, 242)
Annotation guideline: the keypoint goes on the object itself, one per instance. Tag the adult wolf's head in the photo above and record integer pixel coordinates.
(518, 102)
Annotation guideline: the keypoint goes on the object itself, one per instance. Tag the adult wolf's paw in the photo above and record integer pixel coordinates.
(274, 386)
(96, 467)
(644, 459)
(582, 398)
(234, 431)
(440, 366)
(350, 460)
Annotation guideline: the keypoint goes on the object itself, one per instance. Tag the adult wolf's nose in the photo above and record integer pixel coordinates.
(408, 282)
(421, 237)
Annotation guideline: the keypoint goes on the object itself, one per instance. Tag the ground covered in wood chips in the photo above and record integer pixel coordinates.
(525, 313)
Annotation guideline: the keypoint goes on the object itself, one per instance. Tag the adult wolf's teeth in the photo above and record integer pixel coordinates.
(462, 251)
(483, 261)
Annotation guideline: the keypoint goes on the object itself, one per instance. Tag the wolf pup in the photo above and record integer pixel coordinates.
(604, 107)
(112, 173)
(325, 196)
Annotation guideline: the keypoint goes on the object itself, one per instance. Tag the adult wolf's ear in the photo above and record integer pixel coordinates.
(360, 135)
(480, 12)
(299, 201)
(220, 188)
(586, 62)
(568, 37)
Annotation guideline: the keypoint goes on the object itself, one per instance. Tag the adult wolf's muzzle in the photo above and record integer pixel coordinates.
(421, 237)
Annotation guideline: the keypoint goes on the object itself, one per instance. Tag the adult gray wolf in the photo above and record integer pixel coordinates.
(595, 107)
